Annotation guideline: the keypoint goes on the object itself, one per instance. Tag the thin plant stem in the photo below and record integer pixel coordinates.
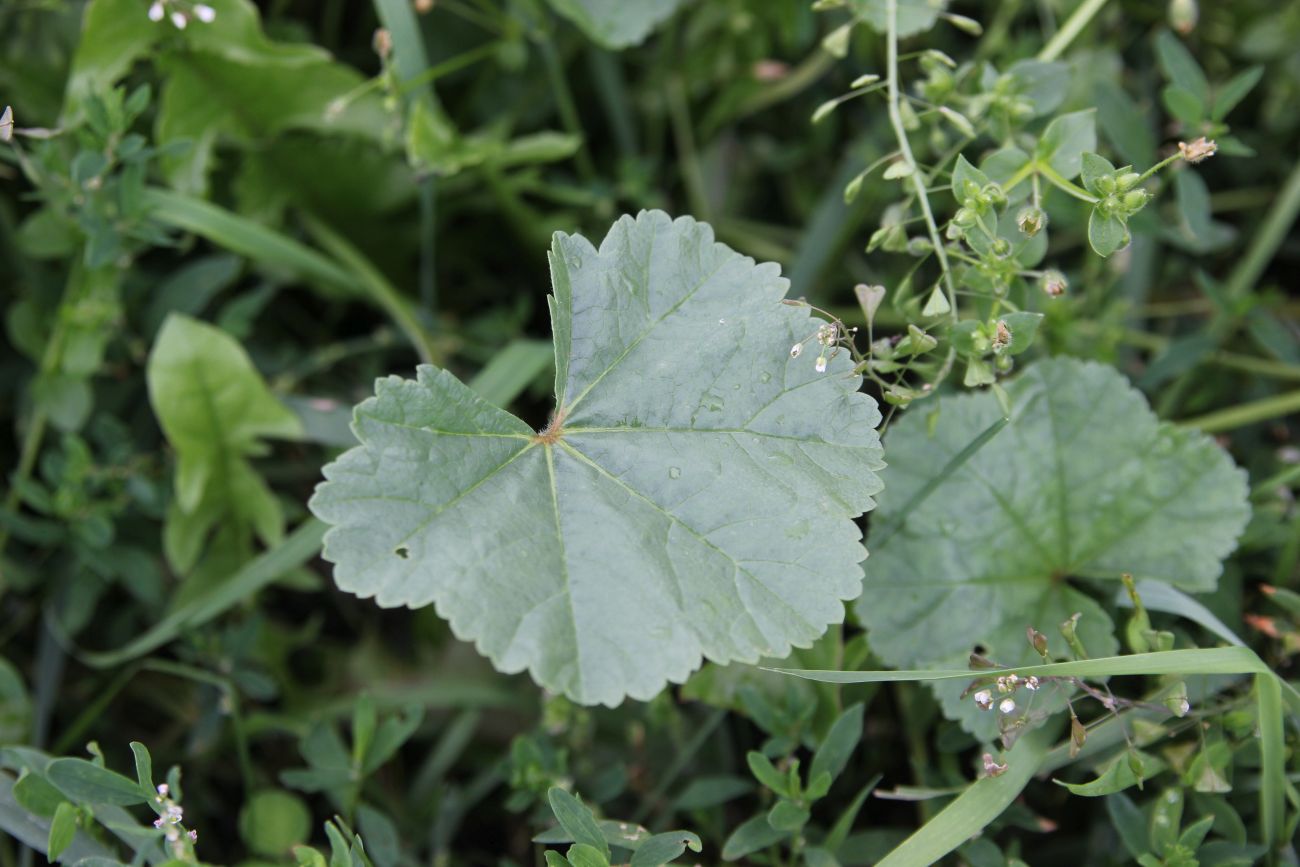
(918, 182)
(565, 104)
(1073, 25)
(1266, 239)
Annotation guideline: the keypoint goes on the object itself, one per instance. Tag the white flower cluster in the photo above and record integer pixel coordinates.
(1006, 685)
(827, 336)
(181, 14)
(170, 816)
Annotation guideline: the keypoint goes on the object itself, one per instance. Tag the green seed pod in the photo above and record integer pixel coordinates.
(1134, 200)
(1127, 180)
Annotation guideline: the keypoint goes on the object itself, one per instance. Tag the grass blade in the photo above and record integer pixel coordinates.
(1272, 760)
(377, 286)
(266, 246)
(974, 809)
(1207, 660)
(298, 547)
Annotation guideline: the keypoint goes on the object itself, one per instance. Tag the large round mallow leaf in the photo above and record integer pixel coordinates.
(1083, 485)
(693, 496)
(617, 24)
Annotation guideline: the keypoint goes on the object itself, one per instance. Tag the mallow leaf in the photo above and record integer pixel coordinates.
(693, 495)
(912, 16)
(617, 23)
(1083, 485)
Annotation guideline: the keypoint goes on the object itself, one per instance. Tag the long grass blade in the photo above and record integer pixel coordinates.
(297, 548)
(1206, 660)
(974, 809)
(266, 246)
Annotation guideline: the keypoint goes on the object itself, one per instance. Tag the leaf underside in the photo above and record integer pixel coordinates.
(1085, 483)
(693, 497)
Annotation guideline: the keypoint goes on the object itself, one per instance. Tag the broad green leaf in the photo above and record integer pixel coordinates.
(1227, 96)
(692, 497)
(87, 783)
(1118, 774)
(577, 820)
(15, 705)
(1065, 141)
(1125, 124)
(616, 23)
(913, 16)
(1183, 105)
(1003, 164)
(767, 774)
(664, 848)
(787, 816)
(1180, 67)
(115, 33)
(963, 176)
(1083, 485)
(1023, 326)
(752, 835)
(1045, 83)
(1094, 167)
(1106, 234)
(63, 828)
(215, 410)
(833, 754)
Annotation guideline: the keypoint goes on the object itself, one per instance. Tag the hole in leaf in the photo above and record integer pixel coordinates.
(403, 552)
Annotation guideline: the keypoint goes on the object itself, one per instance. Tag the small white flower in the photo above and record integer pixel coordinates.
(821, 364)
(180, 19)
(796, 350)
(204, 13)
(156, 11)
(1004, 685)
(992, 767)
(163, 789)
(1032, 682)
(984, 699)
(1012, 680)
(1008, 705)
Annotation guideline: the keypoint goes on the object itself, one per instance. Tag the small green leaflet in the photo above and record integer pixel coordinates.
(1084, 483)
(694, 495)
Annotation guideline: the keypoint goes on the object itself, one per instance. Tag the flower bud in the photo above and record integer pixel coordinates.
(1183, 15)
(1078, 736)
(1037, 640)
(1054, 283)
(1031, 220)
(983, 699)
(1001, 247)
